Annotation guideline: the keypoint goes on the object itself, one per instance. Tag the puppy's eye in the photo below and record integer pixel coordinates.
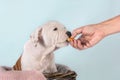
(55, 29)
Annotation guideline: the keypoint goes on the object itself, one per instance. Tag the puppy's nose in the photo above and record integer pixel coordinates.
(68, 33)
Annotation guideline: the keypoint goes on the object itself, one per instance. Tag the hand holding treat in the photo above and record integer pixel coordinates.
(92, 34)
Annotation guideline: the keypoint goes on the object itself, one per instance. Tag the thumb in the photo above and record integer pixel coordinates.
(76, 32)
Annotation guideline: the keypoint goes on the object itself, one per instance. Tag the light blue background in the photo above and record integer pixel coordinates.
(18, 18)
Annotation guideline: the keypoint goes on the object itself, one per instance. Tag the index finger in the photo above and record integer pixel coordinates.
(76, 32)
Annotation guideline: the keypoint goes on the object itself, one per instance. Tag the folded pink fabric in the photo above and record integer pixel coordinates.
(21, 75)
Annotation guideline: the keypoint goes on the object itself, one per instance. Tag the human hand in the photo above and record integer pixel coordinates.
(90, 35)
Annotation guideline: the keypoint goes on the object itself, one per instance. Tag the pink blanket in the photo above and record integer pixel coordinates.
(21, 75)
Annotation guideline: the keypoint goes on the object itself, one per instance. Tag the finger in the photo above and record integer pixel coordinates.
(80, 46)
(85, 47)
(75, 43)
(94, 40)
(84, 43)
(76, 32)
(71, 43)
(88, 44)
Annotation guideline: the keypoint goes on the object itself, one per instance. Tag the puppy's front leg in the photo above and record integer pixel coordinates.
(49, 50)
(49, 57)
(53, 68)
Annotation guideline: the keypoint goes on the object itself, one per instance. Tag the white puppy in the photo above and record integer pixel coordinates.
(38, 51)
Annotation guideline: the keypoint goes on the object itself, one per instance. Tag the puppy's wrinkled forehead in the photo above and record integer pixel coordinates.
(53, 25)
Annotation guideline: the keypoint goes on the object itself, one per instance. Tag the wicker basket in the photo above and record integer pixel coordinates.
(64, 73)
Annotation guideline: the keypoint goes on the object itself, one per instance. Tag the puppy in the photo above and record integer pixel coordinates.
(38, 50)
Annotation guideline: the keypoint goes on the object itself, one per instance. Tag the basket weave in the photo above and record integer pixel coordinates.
(64, 73)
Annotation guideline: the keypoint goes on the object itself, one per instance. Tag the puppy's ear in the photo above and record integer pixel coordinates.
(36, 36)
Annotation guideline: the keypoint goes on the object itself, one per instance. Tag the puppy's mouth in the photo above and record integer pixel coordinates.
(65, 41)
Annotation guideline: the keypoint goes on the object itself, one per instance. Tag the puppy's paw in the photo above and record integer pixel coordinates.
(52, 48)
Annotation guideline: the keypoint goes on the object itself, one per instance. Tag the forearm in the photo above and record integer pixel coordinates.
(111, 26)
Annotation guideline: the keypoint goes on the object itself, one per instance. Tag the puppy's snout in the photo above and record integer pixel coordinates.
(69, 34)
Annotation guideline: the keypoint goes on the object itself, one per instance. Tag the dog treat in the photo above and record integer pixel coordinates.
(70, 39)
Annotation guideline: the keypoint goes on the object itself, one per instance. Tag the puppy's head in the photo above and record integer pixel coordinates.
(51, 33)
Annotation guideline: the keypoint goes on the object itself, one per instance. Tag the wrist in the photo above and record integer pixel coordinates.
(104, 28)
